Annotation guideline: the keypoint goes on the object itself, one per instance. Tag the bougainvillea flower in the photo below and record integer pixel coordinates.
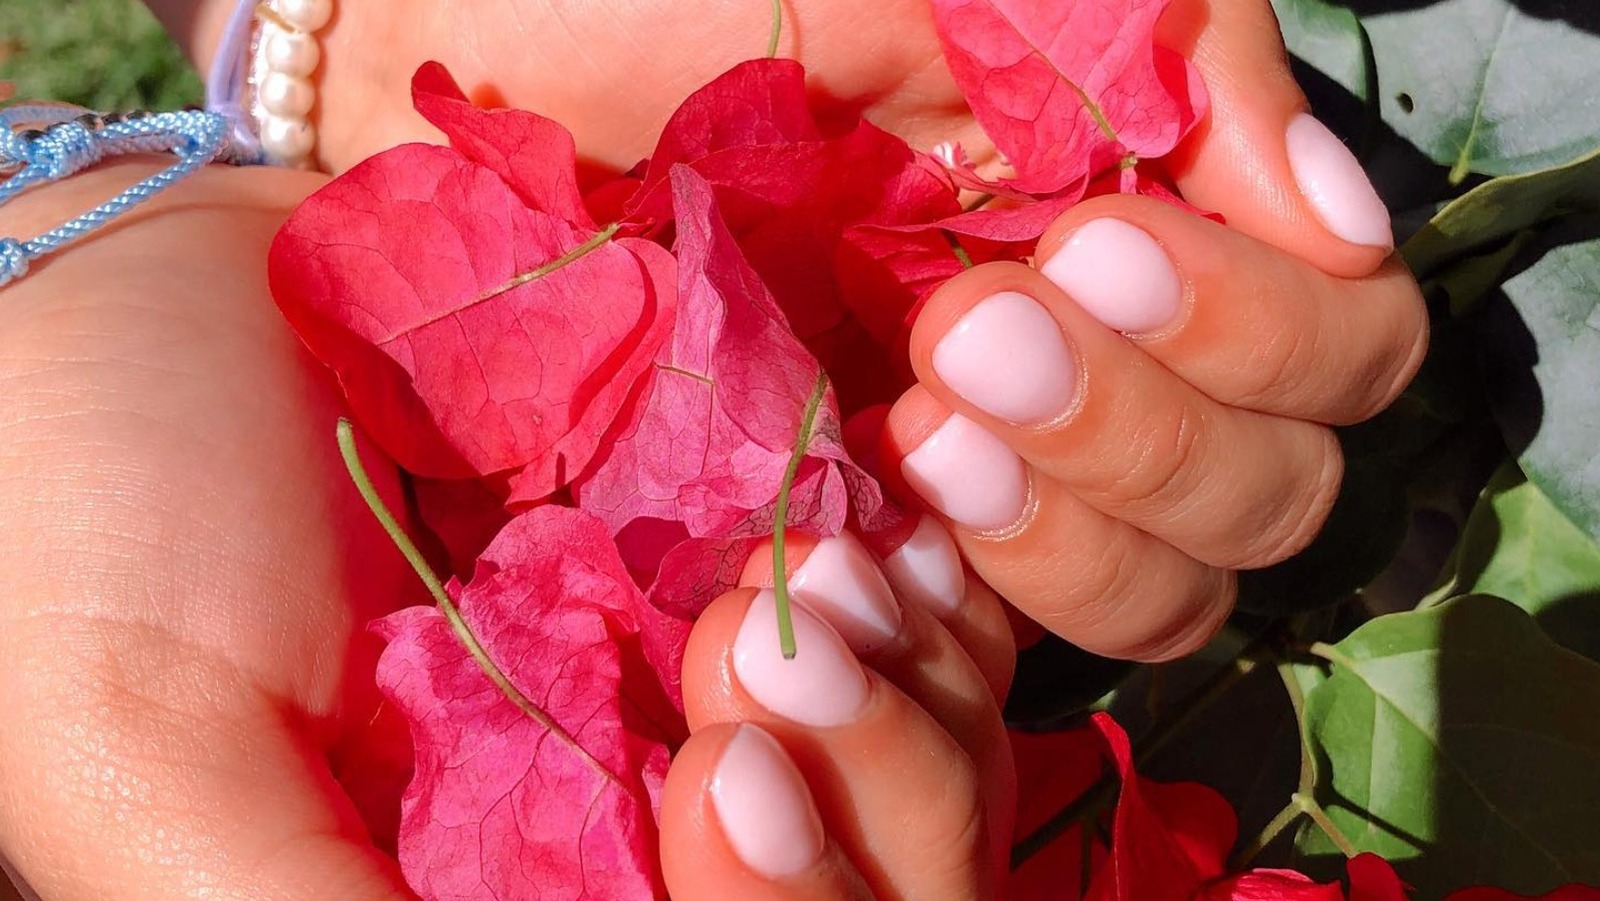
(511, 799)
(1068, 91)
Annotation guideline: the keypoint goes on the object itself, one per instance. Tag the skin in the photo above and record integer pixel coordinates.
(189, 571)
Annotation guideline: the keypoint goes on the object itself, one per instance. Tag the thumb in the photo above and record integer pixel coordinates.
(1259, 158)
(128, 787)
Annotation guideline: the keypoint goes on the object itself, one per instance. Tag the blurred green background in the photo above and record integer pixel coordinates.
(102, 54)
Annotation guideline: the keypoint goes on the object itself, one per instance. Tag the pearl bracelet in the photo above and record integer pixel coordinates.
(261, 77)
(287, 53)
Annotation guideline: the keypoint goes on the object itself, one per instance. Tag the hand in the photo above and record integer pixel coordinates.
(189, 572)
(1164, 458)
(872, 765)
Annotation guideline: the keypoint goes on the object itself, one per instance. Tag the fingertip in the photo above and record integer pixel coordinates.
(1259, 159)
(736, 810)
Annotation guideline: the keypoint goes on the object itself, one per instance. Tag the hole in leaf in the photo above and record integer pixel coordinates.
(1407, 105)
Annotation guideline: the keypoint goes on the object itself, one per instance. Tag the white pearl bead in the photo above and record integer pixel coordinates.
(306, 15)
(287, 140)
(290, 52)
(286, 96)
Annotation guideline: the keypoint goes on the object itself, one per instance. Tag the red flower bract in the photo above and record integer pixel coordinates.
(462, 322)
(503, 806)
(598, 429)
(1069, 90)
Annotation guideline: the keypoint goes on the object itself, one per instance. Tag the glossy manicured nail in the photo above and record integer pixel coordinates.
(765, 807)
(840, 582)
(1007, 357)
(822, 686)
(969, 475)
(1331, 179)
(1119, 274)
(927, 570)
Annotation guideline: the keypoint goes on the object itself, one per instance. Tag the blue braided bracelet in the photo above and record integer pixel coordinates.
(65, 140)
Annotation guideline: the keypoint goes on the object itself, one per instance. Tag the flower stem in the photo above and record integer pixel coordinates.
(777, 29)
(571, 256)
(780, 572)
(1309, 806)
(1267, 836)
(358, 474)
(957, 249)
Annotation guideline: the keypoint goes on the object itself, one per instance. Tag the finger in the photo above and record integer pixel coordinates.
(1246, 323)
(925, 568)
(1004, 347)
(862, 745)
(737, 821)
(144, 788)
(1086, 576)
(1259, 158)
(925, 574)
(839, 581)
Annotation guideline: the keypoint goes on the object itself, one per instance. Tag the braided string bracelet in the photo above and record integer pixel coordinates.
(259, 96)
(66, 140)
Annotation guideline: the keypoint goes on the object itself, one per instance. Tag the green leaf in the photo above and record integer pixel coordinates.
(1518, 546)
(1492, 89)
(1461, 743)
(1541, 348)
(1329, 38)
(1481, 86)
(1500, 208)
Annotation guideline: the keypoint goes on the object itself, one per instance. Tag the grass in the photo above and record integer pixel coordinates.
(102, 54)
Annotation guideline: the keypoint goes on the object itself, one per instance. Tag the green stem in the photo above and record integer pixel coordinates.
(1162, 732)
(1309, 806)
(571, 256)
(957, 249)
(978, 203)
(1206, 693)
(1086, 805)
(1297, 700)
(1267, 836)
(780, 572)
(358, 474)
(1329, 653)
(777, 29)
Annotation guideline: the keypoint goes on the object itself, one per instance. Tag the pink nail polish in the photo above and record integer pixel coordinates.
(1119, 274)
(767, 813)
(969, 475)
(927, 569)
(1007, 357)
(823, 685)
(1334, 184)
(840, 582)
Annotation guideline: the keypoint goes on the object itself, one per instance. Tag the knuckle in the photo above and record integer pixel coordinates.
(1214, 596)
(1164, 463)
(1274, 369)
(1394, 353)
(1307, 507)
(1102, 594)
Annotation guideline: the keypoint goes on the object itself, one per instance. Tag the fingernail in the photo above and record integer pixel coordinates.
(765, 807)
(927, 570)
(969, 475)
(1333, 182)
(822, 685)
(1119, 274)
(840, 582)
(1007, 357)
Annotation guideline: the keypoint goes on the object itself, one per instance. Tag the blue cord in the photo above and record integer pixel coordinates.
(66, 140)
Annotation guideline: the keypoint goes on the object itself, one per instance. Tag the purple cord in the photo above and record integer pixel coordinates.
(229, 76)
